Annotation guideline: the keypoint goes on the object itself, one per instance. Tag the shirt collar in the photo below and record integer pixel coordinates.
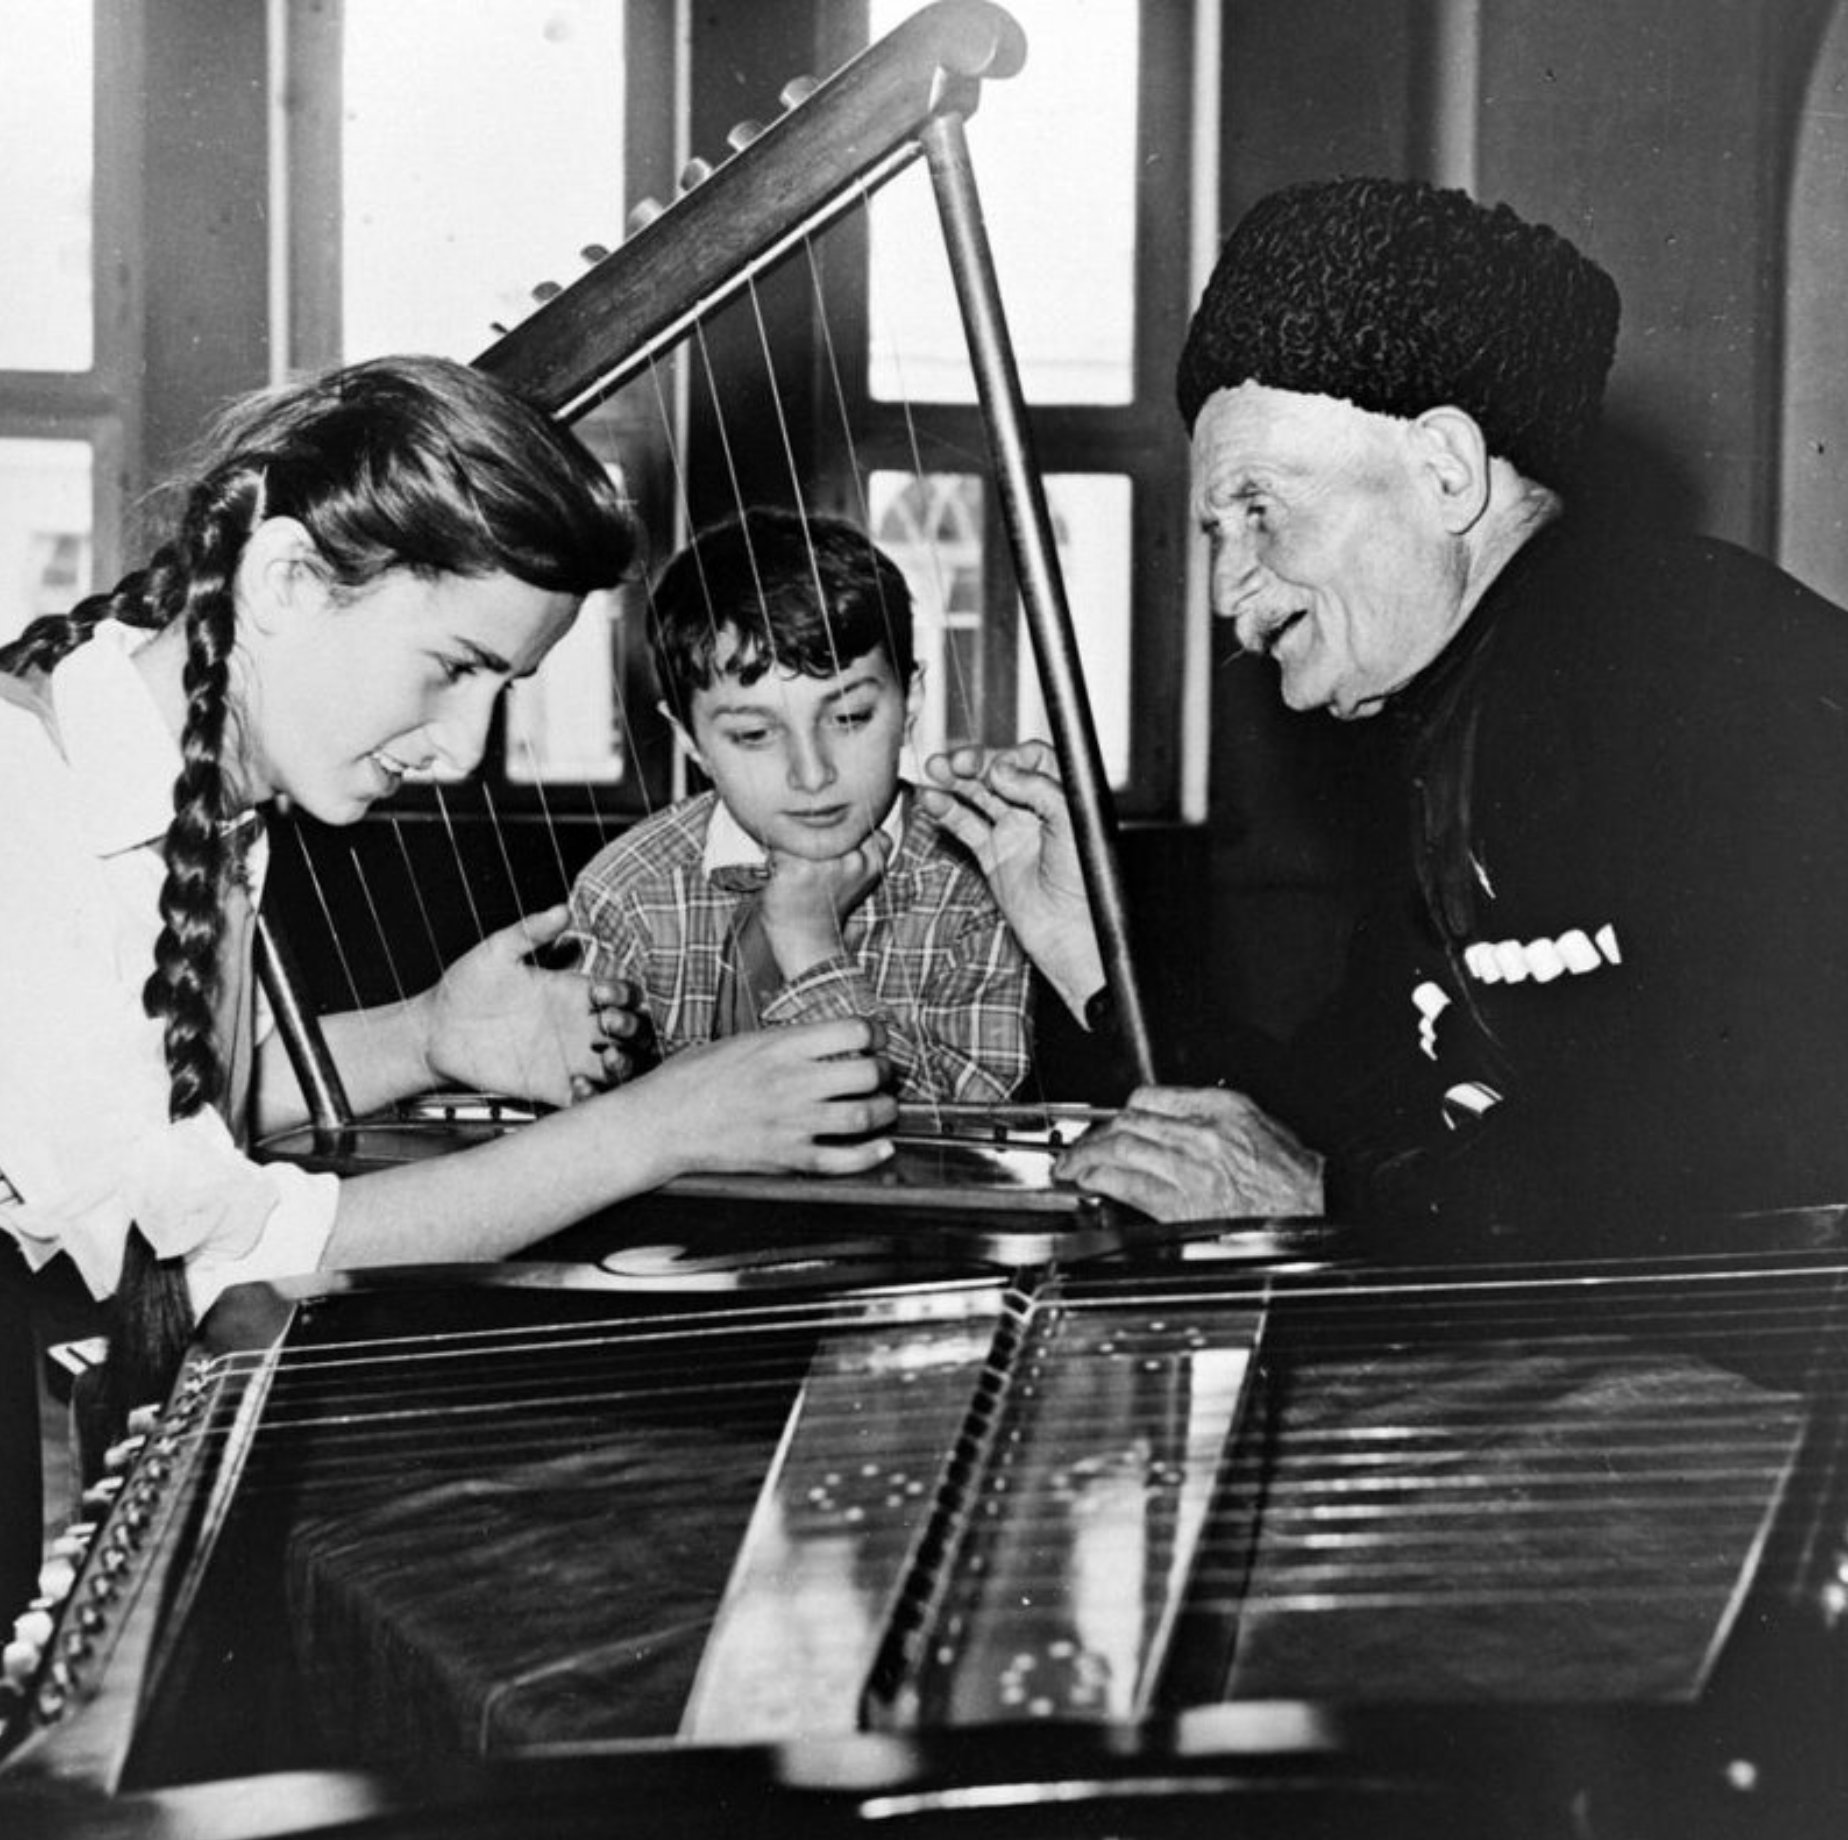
(122, 755)
(732, 853)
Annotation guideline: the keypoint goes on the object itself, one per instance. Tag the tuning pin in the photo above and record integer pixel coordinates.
(593, 253)
(695, 172)
(19, 1662)
(55, 1578)
(98, 1496)
(547, 290)
(743, 134)
(645, 213)
(32, 1633)
(118, 1457)
(796, 91)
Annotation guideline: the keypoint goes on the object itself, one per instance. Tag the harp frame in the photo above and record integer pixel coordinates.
(903, 99)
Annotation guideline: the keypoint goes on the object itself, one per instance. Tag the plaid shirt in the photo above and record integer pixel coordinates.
(927, 952)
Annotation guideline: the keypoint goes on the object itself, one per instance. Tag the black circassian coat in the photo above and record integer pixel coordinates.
(1603, 984)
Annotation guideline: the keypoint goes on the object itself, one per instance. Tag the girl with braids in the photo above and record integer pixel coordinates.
(360, 567)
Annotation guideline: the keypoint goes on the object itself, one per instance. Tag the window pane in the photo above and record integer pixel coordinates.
(1054, 150)
(564, 723)
(46, 175)
(931, 526)
(44, 529)
(481, 150)
(1090, 524)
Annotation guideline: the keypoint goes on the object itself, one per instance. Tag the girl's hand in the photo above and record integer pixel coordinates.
(803, 1099)
(496, 1022)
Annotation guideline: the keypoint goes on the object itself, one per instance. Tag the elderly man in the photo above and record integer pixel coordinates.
(1604, 986)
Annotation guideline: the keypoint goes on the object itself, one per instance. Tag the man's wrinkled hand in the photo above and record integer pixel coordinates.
(1008, 808)
(1193, 1153)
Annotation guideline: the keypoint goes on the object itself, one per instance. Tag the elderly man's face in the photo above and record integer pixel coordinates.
(1328, 551)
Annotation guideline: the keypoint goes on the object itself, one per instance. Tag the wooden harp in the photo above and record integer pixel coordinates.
(903, 100)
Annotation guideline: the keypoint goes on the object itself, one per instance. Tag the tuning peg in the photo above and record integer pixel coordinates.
(796, 91)
(142, 1420)
(55, 1578)
(19, 1662)
(32, 1633)
(743, 134)
(547, 290)
(593, 253)
(118, 1457)
(695, 172)
(645, 213)
(98, 1496)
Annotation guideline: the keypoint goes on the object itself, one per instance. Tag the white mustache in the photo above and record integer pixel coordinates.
(1257, 630)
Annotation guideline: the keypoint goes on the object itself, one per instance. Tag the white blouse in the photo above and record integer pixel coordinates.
(86, 1146)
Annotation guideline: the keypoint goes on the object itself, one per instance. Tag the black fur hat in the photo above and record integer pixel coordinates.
(1398, 297)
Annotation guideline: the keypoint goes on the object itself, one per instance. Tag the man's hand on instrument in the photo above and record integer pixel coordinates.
(498, 1022)
(771, 1101)
(1188, 1153)
(1008, 808)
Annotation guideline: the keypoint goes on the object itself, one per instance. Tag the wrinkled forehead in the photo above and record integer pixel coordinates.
(1255, 435)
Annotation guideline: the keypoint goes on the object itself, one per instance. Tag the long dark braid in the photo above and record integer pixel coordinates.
(153, 1312)
(150, 1316)
(412, 464)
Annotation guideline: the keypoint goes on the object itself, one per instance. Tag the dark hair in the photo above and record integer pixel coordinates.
(415, 464)
(791, 592)
(1398, 297)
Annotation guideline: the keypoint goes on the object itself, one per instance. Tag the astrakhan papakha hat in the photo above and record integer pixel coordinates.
(1398, 297)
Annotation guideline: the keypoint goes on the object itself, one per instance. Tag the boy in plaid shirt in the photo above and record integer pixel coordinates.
(808, 882)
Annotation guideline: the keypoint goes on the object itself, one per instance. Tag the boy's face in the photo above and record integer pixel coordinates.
(807, 765)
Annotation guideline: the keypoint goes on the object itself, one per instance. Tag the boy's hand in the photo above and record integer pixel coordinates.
(804, 902)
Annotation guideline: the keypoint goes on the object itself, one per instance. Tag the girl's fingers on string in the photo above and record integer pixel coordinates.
(847, 1159)
(618, 1065)
(614, 1010)
(855, 1117)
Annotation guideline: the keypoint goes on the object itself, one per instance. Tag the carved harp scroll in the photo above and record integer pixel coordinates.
(904, 98)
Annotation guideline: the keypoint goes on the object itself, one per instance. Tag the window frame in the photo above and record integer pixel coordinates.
(101, 405)
(1139, 439)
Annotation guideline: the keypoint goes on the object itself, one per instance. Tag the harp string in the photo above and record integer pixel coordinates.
(415, 883)
(459, 859)
(858, 476)
(378, 925)
(327, 918)
(1321, 1318)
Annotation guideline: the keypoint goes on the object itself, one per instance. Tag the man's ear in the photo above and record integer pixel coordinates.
(1456, 461)
(279, 574)
(684, 735)
(914, 698)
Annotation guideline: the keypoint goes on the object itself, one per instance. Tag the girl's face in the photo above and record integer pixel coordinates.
(342, 695)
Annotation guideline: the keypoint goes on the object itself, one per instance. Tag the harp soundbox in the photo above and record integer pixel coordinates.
(902, 101)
